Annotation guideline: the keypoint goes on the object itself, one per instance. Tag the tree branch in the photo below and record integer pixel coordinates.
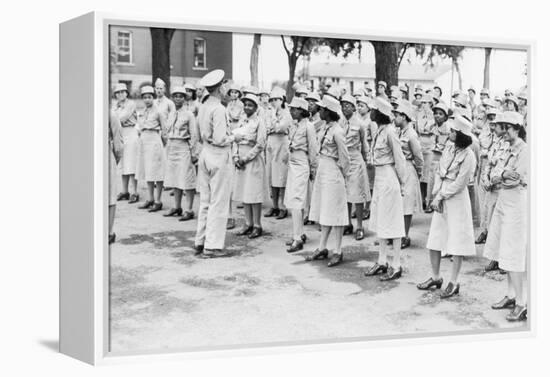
(284, 45)
(402, 55)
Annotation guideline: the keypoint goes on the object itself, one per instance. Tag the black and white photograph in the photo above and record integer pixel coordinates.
(276, 189)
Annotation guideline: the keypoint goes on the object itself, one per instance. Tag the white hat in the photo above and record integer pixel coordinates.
(427, 98)
(147, 90)
(523, 96)
(251, 97)
(461, 124)
(493, 111)
(472, 89)
(510, 117)
(404, 89)
(189, 86)
(212, 78)
(251, 89)
(331, 103)
(383, 83)
(508, 91)
(313, 96)
(277, 92)
(441, 106)
(263, 90)
(299, 103)
(334, 92)
(383, 106)
(419, 90)
(236, 88)
(461, 112)
(301, 89)
(349, 99)
(512, 98)
(461, 99)
(178, 89)
(366, 100)
(404, 107)
(485, 91)
(119, 87)
(160, 81)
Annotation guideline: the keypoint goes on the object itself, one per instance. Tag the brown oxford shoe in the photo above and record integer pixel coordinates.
(156, 207)
(148, 204)
(134, 198)
(272, 212)
(283, 213)
(245, 230)
(518, 314)
(317, 254)
(256, 232)
(112, 238)
(405, 242)
(428, 284)
(187, 215)
(230, 224)
(505, 303)
(336, 259)
(295, 246)
(392, 274)
(377, 269)
(481, 238)
(450, 291)
(123, 196)
(173, 212)
(492, 266)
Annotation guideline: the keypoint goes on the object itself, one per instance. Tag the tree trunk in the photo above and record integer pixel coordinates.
(386, 62)
(292, 60)
(459, 73)
(487, 69)
(254, 57)
(161, 39)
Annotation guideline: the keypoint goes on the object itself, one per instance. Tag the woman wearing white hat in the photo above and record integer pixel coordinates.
(522, 105)
(425, 129)
(190, 101)
(508, 234)
(301, 169)
(387, 218)
(313, 99)
(234, 107)
(250, 184)
(152, 159)
(441, 131)
(181, 155)
(412, 198)
(125, 109)
(115, 153)
(495, 153)
(452, 230)
(328, 201)
(364, 109)
(511, 103)
(265, 109)
(357, 180)
(164, 104)
(487, 138)
(277, 152)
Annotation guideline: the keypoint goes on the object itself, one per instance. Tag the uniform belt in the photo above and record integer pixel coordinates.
(277, 133)
(129, 125)
(150, 129)
(425, 134)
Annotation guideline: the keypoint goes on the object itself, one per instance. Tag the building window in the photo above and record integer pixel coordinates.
(199, 53)
(124, 47)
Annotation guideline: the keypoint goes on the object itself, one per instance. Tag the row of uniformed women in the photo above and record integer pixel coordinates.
(144, 134)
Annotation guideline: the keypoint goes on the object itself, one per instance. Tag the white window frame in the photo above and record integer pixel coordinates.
(204, 53)
(130, 45)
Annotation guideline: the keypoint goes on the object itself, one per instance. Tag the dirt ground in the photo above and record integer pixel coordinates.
(164, 298)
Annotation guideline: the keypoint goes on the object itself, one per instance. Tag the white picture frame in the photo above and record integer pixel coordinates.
(84, 69)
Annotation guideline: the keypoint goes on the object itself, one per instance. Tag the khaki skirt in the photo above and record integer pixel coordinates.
(250, 183)
(329, 205)
(180, 171)
(130, 150)
(412, 197)
(452, 232)
(508, 234)
(152, 158)
(357, 181)
(277, 154)
(296, 194)
(386, 211)
(113, 178)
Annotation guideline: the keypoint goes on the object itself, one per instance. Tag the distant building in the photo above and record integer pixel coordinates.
(355, 75)
(192, 54)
